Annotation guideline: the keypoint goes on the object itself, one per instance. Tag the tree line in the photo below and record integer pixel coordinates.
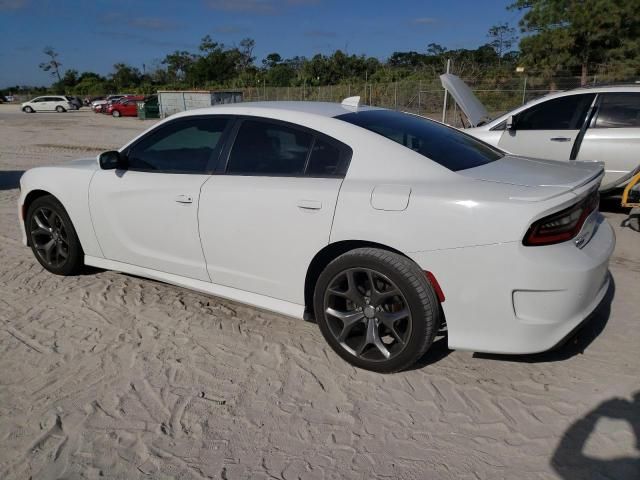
(570, 37)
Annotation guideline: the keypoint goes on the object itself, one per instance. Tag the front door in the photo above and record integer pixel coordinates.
(264, 218)
(548, 129)
(147, 215)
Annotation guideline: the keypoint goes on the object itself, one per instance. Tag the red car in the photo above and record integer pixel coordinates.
(125, 107)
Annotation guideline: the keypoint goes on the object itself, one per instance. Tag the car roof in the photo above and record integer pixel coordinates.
(324, 109)
(630, 88)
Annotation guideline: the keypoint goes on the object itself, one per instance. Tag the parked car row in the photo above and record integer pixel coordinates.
(125, 105)
(114, 105)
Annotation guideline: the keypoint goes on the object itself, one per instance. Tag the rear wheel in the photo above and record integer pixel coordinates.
(28, 109)
(60, 109)
(53, 239)
(376, 309)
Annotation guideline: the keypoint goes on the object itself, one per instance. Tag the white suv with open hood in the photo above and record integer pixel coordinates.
(590, 124)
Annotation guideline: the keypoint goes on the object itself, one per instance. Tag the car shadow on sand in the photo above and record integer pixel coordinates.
(438, 350)
(569, 459)
(576, 343)
(10, 179)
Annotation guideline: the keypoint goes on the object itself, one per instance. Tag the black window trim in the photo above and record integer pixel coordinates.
(592, 112)
(346, 152)
(212, 162)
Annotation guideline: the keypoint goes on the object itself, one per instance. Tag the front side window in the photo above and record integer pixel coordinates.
(444, 145)
(182, 146)
(619, 110)
(564, 113)
(266, 148)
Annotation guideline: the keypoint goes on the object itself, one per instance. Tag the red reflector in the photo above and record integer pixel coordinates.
(436, 286)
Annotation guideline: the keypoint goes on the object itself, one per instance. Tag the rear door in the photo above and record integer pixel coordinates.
(270, 210)
(614, 135)
(548, 129)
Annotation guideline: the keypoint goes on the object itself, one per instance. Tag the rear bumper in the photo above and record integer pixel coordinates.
(511, 299)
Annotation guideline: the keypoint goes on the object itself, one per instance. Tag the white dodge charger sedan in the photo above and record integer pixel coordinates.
(380, 225)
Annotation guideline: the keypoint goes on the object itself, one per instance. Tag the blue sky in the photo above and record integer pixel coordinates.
(94, 34)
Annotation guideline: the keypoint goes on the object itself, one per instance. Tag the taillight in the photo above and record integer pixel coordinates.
(561, 226)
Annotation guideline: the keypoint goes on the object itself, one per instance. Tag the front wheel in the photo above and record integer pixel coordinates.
(376, 309)
(28, 109)
(116, 113)
(52, 238)
(60, 109)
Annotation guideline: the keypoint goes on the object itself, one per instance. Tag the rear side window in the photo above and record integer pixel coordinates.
(564, 113)
(266, 148)
(444, 145)
(325, 159)
(619, 110)
(182, 146)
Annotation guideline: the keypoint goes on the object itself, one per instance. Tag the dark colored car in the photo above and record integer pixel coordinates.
(75, 101)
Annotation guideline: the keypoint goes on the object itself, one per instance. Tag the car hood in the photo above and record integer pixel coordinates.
(543, 178)
(466, 100)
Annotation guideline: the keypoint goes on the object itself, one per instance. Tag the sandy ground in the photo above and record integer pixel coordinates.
(104, 375)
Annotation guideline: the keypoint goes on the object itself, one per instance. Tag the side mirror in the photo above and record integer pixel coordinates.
(112, 160)
(511, 123)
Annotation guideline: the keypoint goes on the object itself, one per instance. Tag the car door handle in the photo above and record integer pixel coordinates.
(560, 139)
(309, 204)
(184, 199)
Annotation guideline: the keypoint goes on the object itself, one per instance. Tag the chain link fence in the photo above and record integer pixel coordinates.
(498, 93)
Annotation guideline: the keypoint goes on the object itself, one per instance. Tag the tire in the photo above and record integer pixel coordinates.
(115, 113)
(47, 221)
(60, 109)
(356, 322)
(28, 109)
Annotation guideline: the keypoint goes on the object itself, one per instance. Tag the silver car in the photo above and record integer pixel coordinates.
(590, 124)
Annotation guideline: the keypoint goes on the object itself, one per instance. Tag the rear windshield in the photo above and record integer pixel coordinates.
(445, 145)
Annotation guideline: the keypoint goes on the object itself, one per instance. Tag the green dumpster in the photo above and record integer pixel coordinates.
(149, 108)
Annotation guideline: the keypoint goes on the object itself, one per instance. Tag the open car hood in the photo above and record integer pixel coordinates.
(464, 97)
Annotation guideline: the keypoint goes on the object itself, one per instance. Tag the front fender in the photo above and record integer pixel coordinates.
(71, 187)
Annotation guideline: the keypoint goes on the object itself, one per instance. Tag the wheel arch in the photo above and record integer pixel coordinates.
(326, 256)
(32, 196)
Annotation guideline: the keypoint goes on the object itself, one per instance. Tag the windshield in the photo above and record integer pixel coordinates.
(445, 145)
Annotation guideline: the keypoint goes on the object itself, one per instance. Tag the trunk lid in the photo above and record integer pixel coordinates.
(466, 100)
(541, 179)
